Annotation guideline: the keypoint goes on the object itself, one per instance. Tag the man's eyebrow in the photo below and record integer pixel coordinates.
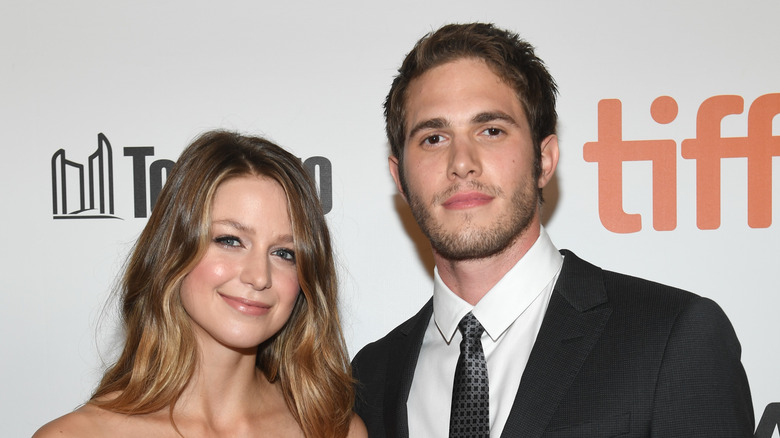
(437, 123)
(490, 116)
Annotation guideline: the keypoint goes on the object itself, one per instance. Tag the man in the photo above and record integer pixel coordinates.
(560, 348)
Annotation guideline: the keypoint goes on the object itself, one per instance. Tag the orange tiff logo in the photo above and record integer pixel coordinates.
(708, 148)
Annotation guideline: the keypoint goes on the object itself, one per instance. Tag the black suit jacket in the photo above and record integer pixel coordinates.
(615, 356)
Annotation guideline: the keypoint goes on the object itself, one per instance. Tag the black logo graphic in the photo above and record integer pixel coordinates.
(321, 172)
(99, 184)
(157, 169)
(87, 192)
(770, 421)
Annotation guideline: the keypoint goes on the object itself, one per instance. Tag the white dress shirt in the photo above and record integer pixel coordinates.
(511, 313)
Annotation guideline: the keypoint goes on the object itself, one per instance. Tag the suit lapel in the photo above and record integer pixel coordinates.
(402, 362)
(574, 321)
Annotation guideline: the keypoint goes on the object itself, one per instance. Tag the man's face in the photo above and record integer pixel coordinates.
(469, 161)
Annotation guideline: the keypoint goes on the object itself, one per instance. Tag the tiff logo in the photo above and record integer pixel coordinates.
(708, 149)
(87, 192)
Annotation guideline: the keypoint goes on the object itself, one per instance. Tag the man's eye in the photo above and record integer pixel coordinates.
(433, 139)
(493, 131)
(228, 240)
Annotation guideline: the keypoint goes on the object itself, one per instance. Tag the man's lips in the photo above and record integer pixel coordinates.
(468, 199)
(246, 306)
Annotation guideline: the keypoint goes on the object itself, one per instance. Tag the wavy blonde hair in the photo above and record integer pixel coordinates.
(308, 357)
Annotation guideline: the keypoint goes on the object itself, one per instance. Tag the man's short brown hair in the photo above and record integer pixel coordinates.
(509, 56)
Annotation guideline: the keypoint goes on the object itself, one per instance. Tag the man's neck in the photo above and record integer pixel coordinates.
(472, 279)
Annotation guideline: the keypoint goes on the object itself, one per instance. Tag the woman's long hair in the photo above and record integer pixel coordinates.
(307, 357)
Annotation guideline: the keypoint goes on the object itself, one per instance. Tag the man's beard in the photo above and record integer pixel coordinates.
(470, 241)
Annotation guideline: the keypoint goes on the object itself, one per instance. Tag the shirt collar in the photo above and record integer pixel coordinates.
(507, 300)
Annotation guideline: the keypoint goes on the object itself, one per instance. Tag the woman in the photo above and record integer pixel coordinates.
(229, 307)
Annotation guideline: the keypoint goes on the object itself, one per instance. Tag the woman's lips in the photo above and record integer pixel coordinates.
(463, 200)
(245, 306)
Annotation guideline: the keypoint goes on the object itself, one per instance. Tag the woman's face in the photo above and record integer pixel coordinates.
(244, 288)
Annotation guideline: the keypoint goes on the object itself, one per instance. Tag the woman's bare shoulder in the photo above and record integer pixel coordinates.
(357, 429)
(87, 420)
(93, 421)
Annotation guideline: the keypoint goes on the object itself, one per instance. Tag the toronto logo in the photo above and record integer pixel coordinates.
(86, 190)
(79, 193)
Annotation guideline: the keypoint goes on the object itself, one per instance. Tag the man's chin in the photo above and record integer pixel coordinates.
(474, 248)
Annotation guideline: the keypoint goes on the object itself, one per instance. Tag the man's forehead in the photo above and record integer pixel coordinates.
(459, 73)
(460, 93)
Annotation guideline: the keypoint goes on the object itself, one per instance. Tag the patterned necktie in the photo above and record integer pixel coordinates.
(470, 412)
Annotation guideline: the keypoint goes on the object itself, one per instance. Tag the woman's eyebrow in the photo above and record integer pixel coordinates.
(234, 224)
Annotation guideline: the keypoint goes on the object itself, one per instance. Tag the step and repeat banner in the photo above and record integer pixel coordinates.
(669, 134)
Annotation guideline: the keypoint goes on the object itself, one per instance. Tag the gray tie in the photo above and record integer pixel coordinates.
(470, 412)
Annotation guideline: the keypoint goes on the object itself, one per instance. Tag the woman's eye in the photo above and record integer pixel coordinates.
(228, 241)
(286, 254)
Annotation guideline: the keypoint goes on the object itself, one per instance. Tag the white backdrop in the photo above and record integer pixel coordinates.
(312, 76)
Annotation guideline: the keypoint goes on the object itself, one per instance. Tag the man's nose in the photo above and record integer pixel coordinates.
(464, 160)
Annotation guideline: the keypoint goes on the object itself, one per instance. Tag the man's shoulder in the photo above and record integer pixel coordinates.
(630, 293)
(383, 345)
(378, 367)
